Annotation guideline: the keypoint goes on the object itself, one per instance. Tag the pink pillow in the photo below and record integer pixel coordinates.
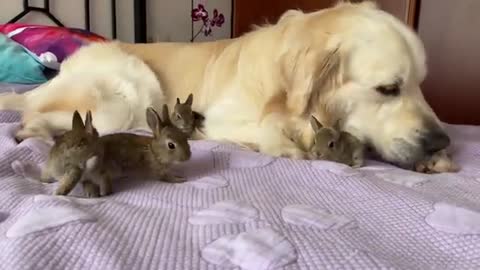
(50, 45)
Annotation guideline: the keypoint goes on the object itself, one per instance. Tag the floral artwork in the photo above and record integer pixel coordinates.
(200, 14)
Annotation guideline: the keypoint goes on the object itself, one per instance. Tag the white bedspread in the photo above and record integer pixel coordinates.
(245, 210)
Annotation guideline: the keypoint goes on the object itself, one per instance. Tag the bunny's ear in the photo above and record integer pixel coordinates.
(316, 125)
(189, 100)
(166, 116)
(89, 128)
(153, 120)
(77, 122)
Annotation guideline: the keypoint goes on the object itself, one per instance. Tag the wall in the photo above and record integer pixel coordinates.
(449, 32)
(167, 20)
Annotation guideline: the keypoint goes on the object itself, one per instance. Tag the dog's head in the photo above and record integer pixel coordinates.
(359, 63)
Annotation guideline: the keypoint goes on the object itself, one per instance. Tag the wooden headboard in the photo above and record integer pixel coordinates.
(448, 29)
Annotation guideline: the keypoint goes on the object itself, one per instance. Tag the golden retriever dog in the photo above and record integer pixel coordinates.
(352, 62)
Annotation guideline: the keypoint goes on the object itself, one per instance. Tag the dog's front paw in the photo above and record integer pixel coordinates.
(286, 152)
(26, 133)
(440, 162)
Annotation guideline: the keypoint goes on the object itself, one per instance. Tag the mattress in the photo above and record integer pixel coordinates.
(244, 210)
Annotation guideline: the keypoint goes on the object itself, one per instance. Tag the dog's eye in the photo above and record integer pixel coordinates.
(389, 90)
(171, 146)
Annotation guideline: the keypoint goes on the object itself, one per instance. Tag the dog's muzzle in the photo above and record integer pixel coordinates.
(406, 154)
(434, 141)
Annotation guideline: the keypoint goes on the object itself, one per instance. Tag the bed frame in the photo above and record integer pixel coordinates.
(139, 11)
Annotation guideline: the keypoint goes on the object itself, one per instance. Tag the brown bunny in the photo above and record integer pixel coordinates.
(73, 155)
(335, 145)
(127, 153)
(185, 118)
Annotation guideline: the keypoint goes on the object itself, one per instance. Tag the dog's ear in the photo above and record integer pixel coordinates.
(309, 67)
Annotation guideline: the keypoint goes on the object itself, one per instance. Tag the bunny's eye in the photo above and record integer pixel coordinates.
(171, 146)
(178, 116)
(331, 144)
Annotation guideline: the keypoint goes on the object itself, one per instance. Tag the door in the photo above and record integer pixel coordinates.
(449, 30)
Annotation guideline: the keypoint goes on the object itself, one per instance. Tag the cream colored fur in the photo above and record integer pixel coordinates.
(258, 90)
(116, 85)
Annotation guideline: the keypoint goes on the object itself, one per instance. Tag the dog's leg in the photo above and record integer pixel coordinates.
(48, 109)
(282, 148)
(32, 132)
(276, 143)
(280, 138)
(44, 125)
(266, 137)
(440, 162)
(113, 115)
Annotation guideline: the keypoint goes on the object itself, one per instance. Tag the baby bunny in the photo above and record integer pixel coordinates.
(73, 154)
(127, 153)
(185, 118)
(335, 145)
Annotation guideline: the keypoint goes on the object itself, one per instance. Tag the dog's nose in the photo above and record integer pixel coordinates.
(435, 141)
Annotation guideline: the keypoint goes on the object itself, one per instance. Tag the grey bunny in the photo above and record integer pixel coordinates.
(330, 143)
(184, 118)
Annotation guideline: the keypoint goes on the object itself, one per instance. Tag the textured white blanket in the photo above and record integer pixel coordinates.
(245, 210)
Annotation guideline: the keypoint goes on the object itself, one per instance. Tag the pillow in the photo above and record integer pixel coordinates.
(50, 45)
(17, 66)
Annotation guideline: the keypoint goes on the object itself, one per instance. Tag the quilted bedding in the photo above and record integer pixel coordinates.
(244, 210)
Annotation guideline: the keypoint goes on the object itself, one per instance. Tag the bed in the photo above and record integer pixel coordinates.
(243, 210)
